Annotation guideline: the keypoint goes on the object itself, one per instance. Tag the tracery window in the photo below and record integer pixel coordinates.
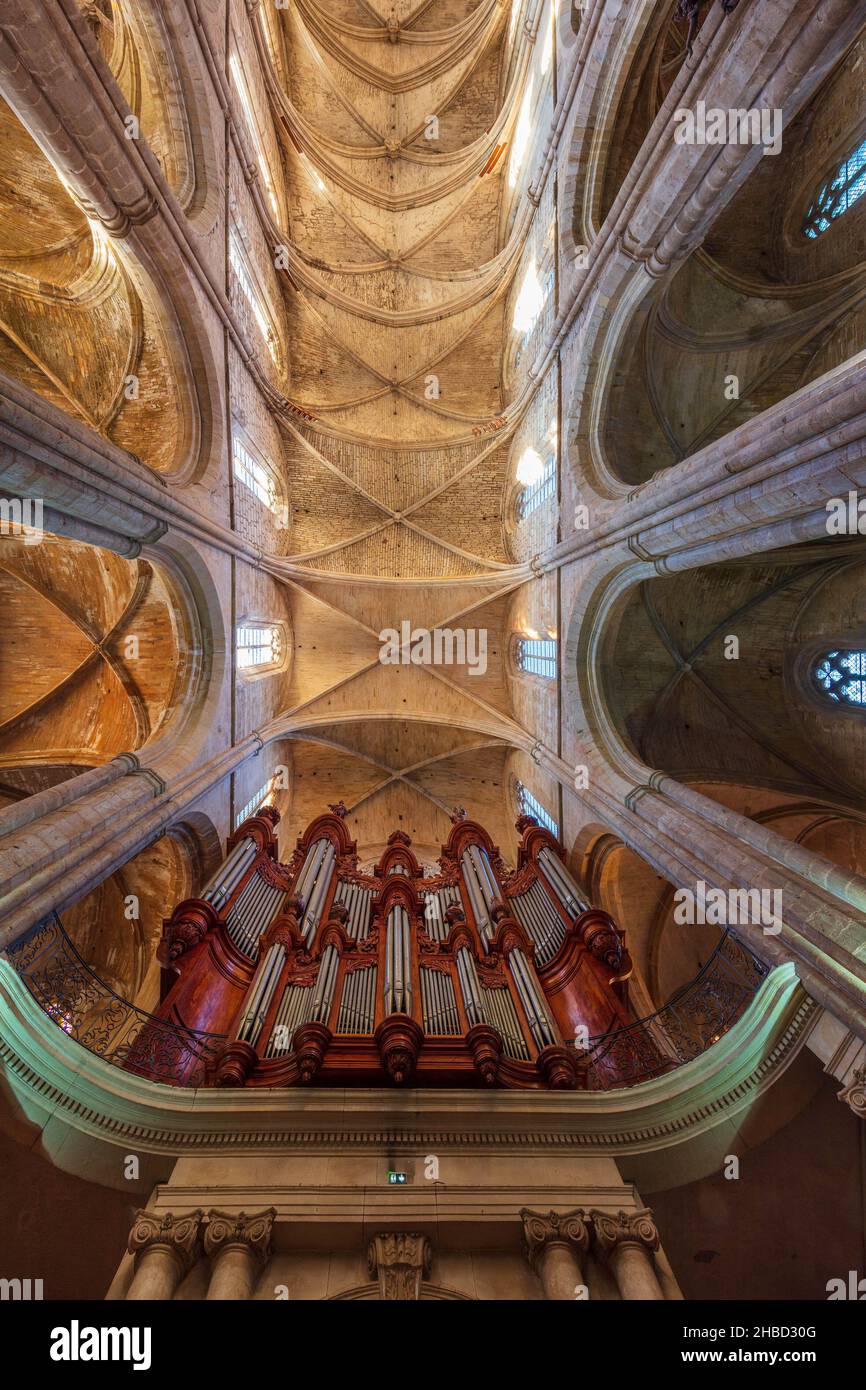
(538, 492)
(259, 646)
(841, 676)
(530, 806)
(536, 656)
(254, 473)
(838, 193)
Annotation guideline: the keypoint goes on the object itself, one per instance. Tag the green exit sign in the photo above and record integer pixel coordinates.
(398, 1177)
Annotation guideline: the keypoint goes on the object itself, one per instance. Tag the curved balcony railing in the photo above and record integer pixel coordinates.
(84, 1006)
(696, 1017)
(80, 1003)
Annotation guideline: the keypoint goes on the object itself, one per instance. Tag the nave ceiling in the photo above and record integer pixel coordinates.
(399, 399)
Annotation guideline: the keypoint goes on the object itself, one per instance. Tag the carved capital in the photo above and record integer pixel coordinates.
(177, 1236)
(635, 1228)
(225, 1231)
(543, 1230)
(854, 1094)
(399, 1260)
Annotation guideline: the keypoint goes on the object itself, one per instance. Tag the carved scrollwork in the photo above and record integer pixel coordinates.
(179, 1236)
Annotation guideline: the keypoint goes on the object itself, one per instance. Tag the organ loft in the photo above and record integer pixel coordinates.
(432, 655)
(317, 972)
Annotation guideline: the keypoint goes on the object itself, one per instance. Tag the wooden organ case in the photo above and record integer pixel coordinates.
(317, 972)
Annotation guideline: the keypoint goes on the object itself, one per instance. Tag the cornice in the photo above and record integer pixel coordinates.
(56, 1080)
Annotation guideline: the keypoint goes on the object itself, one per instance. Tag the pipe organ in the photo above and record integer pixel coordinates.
(316, 971)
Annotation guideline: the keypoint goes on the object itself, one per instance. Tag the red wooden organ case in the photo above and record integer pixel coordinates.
(317, 972)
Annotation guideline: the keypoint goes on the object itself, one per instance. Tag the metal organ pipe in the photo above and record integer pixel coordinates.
(437, 902)
(222, 884)
(252, 912)
(315, 854)
(438, 1005)
(501, 1014)
(292, 1012)
(469, 986)
(537, 913)
(323, 996)
(561, 880)
(476, 899)
(530, 997)
(358, 1005)
(358, 901)
(260, 995)
(398, 963)
(313, 910)
(486, 878)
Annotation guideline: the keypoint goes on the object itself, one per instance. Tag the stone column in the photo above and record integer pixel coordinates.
(628, 1240)
(555, 1245)
(165, 1249)
(399, 1260)
(237, 1247)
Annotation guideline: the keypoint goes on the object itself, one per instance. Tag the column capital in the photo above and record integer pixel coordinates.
(399, 1260)
(177, 1236)
(541, 1230)
(854, 1094)
(236, 1230)
(635, 1228)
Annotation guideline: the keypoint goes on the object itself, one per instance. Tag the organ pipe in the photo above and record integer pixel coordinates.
(562, 881)
(345, 1007)
(326, 982)
(313, 911)
(476, 898)
(260, 995)
(398, 963)
(530, 997)
(222, 884)
(469, 986)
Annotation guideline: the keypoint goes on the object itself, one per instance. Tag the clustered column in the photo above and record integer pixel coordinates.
(556, 1243)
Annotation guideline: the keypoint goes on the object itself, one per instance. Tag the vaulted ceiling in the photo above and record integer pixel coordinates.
(402, 257)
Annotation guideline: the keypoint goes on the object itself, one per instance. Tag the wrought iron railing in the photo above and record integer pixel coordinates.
(84, 1006)
(697, 1016)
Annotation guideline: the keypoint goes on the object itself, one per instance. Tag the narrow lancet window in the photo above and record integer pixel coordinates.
(530, 806)
(536, 656)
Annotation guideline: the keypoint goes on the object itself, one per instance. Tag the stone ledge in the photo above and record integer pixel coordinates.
(89, 1112)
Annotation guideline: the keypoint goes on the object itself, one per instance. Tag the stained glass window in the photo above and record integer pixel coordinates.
(529, 806)
(838, 193)
(537, 656)
(841, 675)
